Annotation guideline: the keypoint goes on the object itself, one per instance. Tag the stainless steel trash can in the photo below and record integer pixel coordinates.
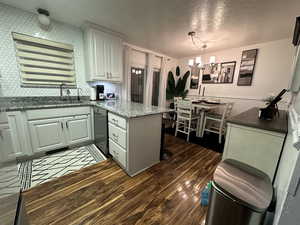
(240, 195)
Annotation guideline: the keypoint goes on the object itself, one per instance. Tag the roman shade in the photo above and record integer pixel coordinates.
(43, 62)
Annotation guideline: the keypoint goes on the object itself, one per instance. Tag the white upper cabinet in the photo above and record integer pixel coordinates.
(99, 56)
(116, 59)
(104, 55)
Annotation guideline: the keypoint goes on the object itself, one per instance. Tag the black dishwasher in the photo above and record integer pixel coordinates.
(100, 129)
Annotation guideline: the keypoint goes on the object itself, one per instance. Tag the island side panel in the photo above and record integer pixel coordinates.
(144, 142)
(258, 148)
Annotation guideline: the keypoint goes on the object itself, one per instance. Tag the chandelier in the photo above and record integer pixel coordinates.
(198, 60)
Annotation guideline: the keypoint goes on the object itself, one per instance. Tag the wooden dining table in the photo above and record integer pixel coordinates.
(203, 107)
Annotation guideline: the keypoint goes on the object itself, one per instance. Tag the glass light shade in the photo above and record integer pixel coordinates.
(212, 59)
(44, 20)
(199, 61)
(191, 62)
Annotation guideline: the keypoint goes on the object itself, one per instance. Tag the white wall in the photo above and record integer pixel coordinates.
(16, 20)
(272, 74)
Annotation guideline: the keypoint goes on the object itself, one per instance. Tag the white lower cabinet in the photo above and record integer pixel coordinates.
(13, 136)
(118, 135)
(47, 134)
(23, 133)
(79, 129)
(50, 133)
(134, 143)
(118, 153)
(6, 144)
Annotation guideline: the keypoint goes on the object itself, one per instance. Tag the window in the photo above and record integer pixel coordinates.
(137, 84)
(155, 87)
(43, 62)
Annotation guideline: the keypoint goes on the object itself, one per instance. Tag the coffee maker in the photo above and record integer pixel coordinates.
(100, 96)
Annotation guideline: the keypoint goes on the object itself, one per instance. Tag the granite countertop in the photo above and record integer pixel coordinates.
(20, 104)
(130, 109)
(122, 108)
(250, 118)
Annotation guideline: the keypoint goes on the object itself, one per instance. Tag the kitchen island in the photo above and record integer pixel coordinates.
(256, 142)
(134, 134)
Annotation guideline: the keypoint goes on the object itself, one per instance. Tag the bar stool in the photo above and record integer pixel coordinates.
(186, 118)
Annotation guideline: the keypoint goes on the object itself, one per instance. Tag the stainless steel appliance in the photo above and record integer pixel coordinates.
(240, 195)
(100, 129)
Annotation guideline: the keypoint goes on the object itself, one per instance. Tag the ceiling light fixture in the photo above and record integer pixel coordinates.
(44, 19)
(203, 47)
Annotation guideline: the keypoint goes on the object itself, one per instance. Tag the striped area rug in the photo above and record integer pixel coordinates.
(48, 167)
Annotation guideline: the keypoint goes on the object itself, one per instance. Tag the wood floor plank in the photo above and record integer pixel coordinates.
(167, 193)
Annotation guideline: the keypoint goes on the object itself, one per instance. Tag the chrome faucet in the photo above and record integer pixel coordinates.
(61, 90)
(78, 95)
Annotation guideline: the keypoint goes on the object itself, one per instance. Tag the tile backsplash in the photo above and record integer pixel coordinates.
(16, 20)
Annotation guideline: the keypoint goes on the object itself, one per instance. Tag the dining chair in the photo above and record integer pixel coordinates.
(216, 123)
(186, 118)
(176, 99)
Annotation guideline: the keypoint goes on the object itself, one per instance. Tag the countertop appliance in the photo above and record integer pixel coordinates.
(100, 96)
(100, 129)
(93, 95)
(110, 96)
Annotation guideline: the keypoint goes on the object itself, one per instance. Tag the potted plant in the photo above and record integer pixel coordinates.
(176, 89)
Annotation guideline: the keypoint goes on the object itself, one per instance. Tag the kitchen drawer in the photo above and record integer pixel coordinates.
(117, 152)
(117, 120)
(117, 134)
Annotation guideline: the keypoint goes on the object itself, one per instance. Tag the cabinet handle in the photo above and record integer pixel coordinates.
(116, 137)
(115, 121)
(62, 125)
(67, 125)
(1, 135)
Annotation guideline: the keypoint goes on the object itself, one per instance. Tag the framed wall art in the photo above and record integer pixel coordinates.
(226, 74)
(220, 73)
(210, 73)
(247, 67)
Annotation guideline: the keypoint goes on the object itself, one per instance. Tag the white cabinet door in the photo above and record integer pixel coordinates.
(78, 129)
(100, 55)
(47, 134)
(116, 59)
(104, 53)
(6, 144)
(19, 136)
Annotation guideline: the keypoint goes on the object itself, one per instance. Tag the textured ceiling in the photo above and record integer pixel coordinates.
(162, 25)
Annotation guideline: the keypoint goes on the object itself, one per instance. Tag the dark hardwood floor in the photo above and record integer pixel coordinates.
(167, 193)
